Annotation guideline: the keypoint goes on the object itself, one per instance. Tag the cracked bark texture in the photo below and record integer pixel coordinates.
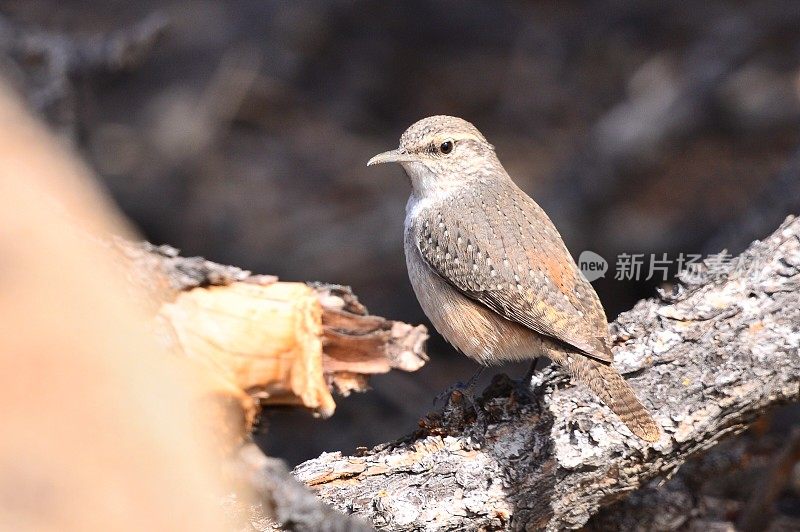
(707, 358)
(734, 486)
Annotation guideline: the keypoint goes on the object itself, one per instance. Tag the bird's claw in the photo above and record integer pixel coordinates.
(460, 396)
(447, 392)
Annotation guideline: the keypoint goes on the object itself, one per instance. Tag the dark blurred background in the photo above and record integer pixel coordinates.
(240, 131)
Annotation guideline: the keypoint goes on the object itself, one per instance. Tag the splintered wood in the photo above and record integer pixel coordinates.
(357, 345)
(263, 342)
(264, 339)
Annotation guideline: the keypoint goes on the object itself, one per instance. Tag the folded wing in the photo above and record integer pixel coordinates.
(506, 254)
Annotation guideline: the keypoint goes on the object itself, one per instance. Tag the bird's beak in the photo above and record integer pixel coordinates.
(400, 155)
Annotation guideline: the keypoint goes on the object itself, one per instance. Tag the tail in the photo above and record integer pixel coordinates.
(612, 389)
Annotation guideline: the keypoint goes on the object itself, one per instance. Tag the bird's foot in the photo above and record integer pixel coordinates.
(465, 388)
(458, 411)
(460, 397)
(447, 394)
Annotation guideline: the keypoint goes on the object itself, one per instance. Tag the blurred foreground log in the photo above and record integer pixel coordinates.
(706, 359)
(267, 342)
(102, 428)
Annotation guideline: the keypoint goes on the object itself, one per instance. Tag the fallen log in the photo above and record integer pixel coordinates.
(706, 358)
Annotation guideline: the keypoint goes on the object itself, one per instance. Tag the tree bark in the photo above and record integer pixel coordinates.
(734, 486)
(707, 358)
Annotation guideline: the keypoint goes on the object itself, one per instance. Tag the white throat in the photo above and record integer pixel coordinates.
(426, 183)
(417, 202)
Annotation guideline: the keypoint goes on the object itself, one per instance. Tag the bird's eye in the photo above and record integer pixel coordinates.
(446, 147)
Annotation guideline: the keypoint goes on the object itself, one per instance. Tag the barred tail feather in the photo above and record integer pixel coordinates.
(612, 389)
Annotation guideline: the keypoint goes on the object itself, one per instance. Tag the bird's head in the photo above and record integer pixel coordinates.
(442, 152)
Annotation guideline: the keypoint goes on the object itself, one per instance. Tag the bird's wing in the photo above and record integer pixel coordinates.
(499, 248)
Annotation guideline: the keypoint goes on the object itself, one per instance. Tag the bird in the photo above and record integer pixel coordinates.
(491, 271)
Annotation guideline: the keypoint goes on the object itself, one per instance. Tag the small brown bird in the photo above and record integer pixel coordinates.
(491, 271)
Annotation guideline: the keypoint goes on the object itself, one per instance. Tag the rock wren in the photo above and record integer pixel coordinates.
(491, 271)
